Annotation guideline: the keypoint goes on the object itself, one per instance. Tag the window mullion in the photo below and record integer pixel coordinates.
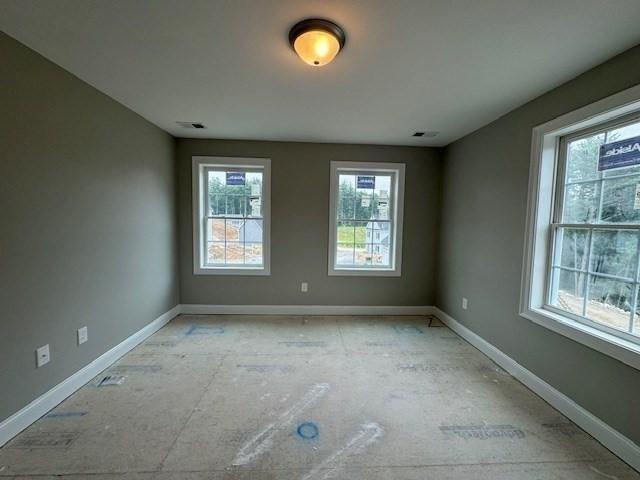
(635, 289)
(601, 192)
(586, 286)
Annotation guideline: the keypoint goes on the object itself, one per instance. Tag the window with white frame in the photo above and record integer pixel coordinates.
(596, 227)
(231, 215)
(365, 227)
(581, 274)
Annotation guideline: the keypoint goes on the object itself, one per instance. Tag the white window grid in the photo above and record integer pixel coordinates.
(242, 216)
(389, 221)
(558, 226)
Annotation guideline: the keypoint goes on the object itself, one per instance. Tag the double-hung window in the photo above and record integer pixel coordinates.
(365, 227)
(596, 228)
(581, 275)
(231, 205)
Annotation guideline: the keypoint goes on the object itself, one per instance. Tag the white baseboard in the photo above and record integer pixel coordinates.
(194, 309)
(620, 445)
(20, 420)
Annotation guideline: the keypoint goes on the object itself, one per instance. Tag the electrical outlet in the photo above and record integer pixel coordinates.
(42, 355)
(83, 335)
(465, 303)
(304, 287)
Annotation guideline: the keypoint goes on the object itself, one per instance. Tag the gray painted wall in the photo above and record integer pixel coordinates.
(485, 181)
(299, 231)
(87, 223)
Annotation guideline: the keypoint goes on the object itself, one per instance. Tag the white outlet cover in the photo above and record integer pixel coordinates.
(465, 303)
(43, 355)
(83, 335)
(304, 287)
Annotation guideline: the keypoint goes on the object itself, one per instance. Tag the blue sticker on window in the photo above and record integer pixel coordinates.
(366, 182)
(622, 153)
(235, 178)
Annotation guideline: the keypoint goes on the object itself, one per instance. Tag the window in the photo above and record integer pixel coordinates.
(581, 274)
(596, 228)
(231, 202)
(366, 218)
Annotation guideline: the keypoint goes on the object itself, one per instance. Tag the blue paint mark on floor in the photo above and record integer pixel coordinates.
(65, 414)
(412, 329)
(308, 430)
(205, 330)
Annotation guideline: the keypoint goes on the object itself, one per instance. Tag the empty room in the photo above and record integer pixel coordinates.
(320, 239)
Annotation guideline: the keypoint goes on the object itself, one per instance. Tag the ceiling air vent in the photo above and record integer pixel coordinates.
(428, 134)
(191, 125)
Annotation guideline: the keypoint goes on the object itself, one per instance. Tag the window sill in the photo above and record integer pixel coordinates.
(623, 350)
(231, 271)
(363, 272)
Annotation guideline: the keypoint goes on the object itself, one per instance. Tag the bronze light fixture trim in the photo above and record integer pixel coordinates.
(316, 41)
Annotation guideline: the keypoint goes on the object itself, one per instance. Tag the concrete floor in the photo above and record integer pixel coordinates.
(306, 398)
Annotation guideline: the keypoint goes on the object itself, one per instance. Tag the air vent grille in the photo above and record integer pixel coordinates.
(428, 134)
(191, 125)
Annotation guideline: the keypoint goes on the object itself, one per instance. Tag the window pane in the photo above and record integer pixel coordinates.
(235, 205)
(235, 253)
(364, 203)
(381, 197)
(614, 252)
(344, 254)
(363, 255)
(253, 231)
(622, 133)
(346, 206)
(567, 290)
(253, 206)
(217, 183)
(254, 184)
(346, 232)
(253, 253)
(347, 183)
(619, 204)
(572, 248)
(346, 196)
(217, 205)
(581, 203)
(380, 255)
(361, 232)
(582, 158)
(610, 302)
(215, 230)
(215, 253)
(235, 230)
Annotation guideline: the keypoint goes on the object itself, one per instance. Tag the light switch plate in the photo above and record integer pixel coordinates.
(42, 355)
(304, 287)
(465, 303)
(83, 335)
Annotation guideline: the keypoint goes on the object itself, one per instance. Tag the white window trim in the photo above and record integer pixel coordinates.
(199, 163)
(397, 216)
(544, 158)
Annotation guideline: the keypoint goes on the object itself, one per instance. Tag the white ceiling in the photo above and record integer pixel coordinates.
(445, 65)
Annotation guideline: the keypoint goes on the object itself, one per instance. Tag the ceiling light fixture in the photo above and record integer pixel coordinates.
(316, 41)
